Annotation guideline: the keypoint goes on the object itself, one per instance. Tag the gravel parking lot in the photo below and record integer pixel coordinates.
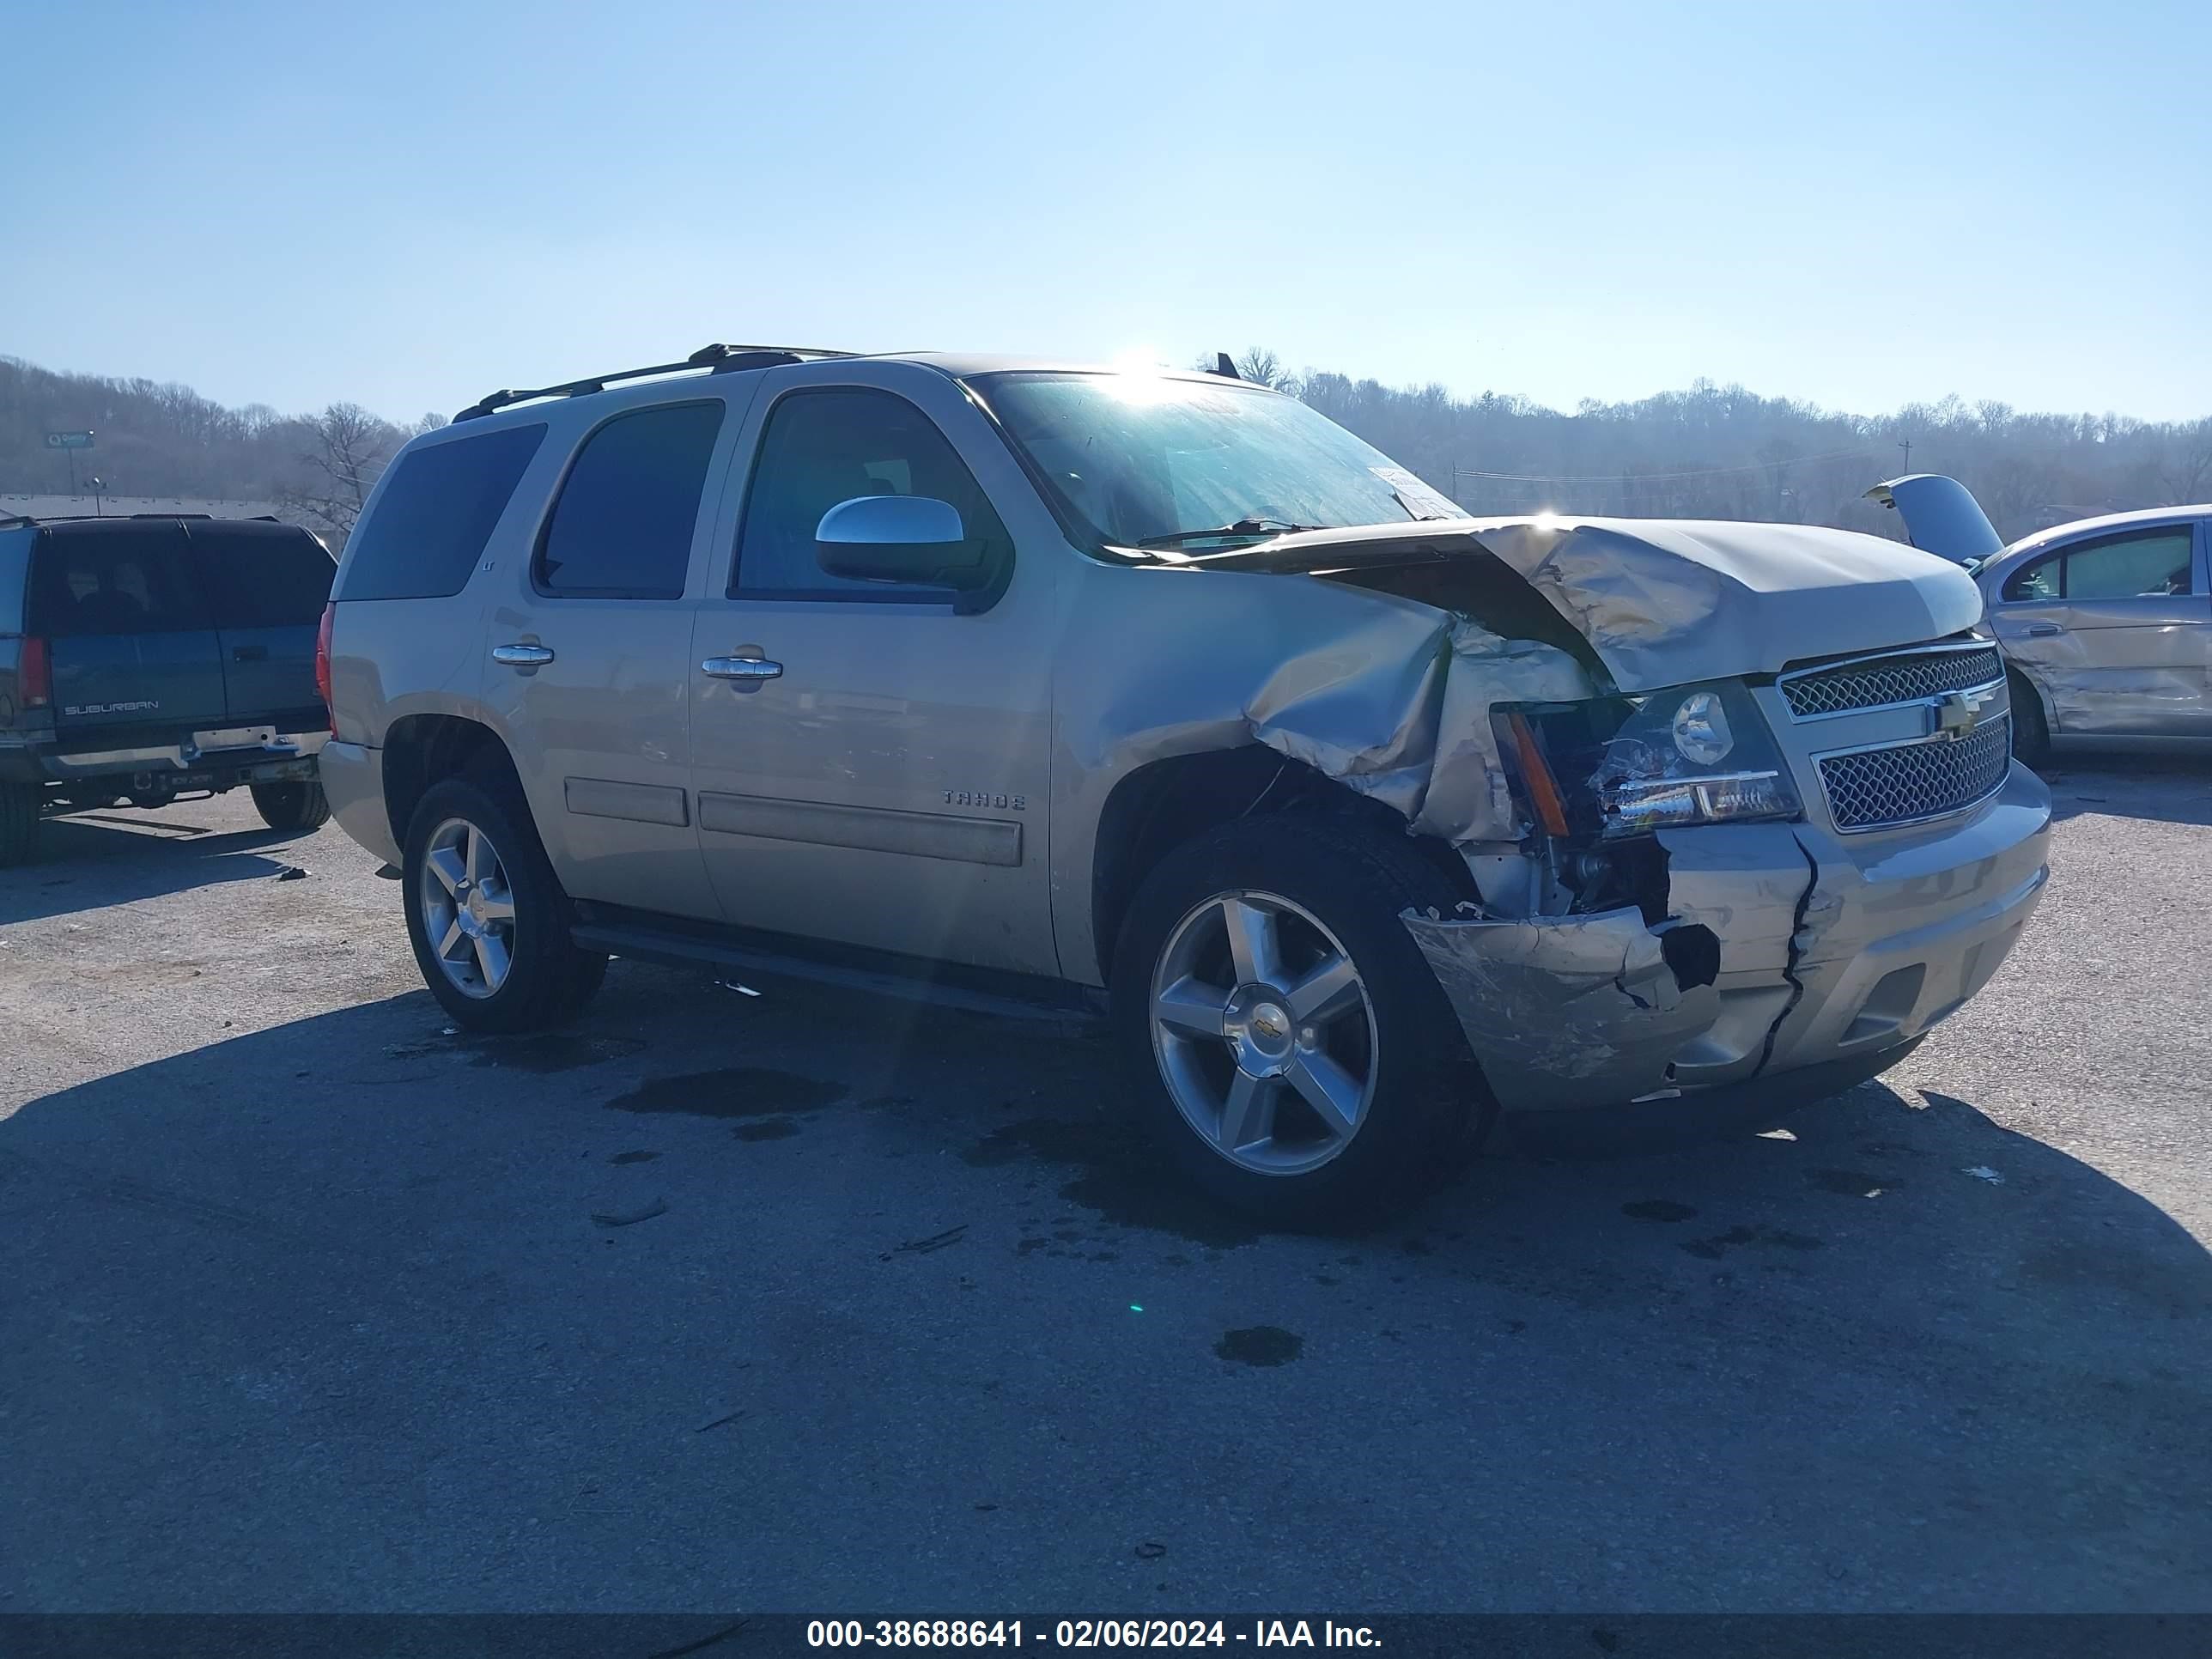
(310, 1304)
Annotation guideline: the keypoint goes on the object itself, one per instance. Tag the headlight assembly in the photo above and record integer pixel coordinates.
(1627, 766)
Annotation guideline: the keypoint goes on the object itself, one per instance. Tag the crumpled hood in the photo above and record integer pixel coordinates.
(1664, 602)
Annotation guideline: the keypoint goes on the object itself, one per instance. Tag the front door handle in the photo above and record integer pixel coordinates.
(522, 656)
(2043, 630)
(741, 668)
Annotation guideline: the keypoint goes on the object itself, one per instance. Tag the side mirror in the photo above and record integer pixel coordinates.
(915, 539)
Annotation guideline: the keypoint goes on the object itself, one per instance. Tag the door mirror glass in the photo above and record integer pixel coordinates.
(899, 538)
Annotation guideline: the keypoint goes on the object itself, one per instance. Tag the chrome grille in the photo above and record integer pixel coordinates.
(1877, 682)
(1903, 784)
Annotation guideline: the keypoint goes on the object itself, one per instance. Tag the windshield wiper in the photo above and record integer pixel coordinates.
(1241, 527)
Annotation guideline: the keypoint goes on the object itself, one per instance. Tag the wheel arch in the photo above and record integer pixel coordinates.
(421, 749)
(2021, 680)
(1166, 803)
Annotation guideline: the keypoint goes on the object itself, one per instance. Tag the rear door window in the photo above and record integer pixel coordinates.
(623, 525)
(110, 579)
(261, 577)
(435, 513)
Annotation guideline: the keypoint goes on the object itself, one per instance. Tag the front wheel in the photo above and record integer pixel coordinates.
(2031, 728)
(295, 806)
(486, 915)
(1299, 1061)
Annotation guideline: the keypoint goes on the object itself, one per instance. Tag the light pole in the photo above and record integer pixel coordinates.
(1906, 444)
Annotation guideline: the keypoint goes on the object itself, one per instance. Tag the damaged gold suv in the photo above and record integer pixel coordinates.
(1006, 681)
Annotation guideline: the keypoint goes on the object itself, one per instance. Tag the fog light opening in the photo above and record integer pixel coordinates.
(1693, 952)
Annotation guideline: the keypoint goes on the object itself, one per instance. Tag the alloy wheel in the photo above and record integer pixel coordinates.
(1264, 1032)
(467, 908)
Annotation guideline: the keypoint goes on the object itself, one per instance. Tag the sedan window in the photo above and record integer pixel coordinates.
(2039, 580)
(2149, 563)
(2141, 564)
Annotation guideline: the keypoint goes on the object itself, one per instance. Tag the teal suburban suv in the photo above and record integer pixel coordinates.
(149, 659)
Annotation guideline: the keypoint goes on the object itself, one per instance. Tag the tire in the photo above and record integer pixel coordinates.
(2031, 728)
(19, 822)
(295, 806)
(1334, 886)
(473, 836)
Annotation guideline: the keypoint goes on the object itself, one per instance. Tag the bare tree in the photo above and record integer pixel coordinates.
(1258, 365)
(345, 452)
(2184, 470)
(1263, 367)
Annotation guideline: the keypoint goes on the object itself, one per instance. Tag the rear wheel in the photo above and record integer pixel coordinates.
(19, 822)
(2031, 728)
(1300, 1061)
(486, 915)
(298, 806)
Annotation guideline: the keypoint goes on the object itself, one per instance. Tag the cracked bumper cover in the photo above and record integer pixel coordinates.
(1834, 952)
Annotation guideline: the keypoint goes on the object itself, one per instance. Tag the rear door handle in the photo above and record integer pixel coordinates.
(249, 653)
(522, 656)
(2043, 630)
(741, 668)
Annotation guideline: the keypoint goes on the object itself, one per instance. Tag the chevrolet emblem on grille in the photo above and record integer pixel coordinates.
(1957, 712)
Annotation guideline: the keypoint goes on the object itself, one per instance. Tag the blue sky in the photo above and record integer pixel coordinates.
(408, 205)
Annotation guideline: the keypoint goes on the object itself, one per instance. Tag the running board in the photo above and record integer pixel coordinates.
(1055, 1002)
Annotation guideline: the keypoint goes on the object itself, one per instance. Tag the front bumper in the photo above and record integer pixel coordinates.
(1832, 951)
(353, 783)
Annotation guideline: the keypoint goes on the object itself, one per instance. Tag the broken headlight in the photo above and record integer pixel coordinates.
(1699, 754)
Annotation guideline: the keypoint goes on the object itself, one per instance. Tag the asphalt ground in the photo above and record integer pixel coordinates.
(311, 1304)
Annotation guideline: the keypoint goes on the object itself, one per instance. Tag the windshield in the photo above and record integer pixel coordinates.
(1136, 460)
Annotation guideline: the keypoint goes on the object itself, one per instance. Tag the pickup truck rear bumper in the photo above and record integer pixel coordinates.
(245, 755)
(353, 782)
(1832, 951)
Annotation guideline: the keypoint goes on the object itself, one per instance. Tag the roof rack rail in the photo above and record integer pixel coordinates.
(92, 517)
(717, 359)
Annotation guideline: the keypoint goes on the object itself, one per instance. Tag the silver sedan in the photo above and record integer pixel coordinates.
(2106, 623)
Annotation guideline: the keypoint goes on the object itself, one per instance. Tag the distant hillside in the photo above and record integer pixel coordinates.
(1710, 452)
(152, 440)
(1723, 453)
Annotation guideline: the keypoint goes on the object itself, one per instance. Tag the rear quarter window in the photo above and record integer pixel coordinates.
(261, 577)
(433, 515)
